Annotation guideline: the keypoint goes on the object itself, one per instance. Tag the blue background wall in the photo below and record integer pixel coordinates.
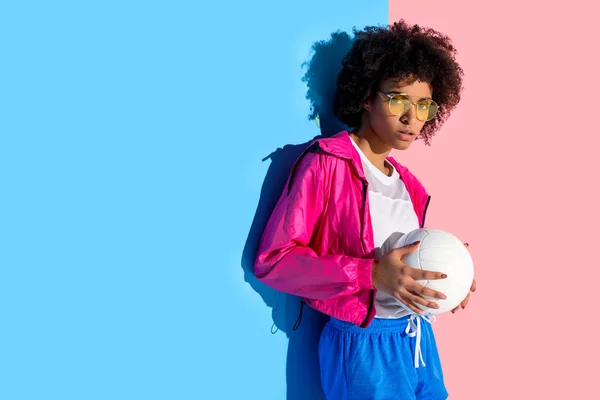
(132, 139)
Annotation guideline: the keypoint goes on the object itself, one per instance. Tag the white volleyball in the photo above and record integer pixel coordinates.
(441, 251)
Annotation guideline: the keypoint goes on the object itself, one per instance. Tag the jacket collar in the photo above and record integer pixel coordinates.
(339, 145)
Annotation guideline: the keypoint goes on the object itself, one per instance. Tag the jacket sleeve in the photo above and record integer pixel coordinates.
(285, 259)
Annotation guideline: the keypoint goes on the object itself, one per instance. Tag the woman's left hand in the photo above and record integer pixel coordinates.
(464, 303)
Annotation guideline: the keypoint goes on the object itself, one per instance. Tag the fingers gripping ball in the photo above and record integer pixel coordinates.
(441, 251)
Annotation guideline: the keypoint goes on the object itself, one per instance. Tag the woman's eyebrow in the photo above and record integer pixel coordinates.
(398, 92)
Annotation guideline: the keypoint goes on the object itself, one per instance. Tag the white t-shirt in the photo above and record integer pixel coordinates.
(392, 216)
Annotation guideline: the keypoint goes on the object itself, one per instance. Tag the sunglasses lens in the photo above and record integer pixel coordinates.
(426, 110)
(399, 105)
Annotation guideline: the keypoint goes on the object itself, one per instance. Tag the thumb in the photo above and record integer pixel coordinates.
(409, 248)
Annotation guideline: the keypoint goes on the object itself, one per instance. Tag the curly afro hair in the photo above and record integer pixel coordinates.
(401, 52)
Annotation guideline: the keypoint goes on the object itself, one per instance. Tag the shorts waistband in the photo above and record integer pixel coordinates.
(377, 325)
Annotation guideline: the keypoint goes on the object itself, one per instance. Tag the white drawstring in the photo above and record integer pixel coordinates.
(413, 328)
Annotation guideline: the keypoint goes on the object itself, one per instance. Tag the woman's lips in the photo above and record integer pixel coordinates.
(403, 135)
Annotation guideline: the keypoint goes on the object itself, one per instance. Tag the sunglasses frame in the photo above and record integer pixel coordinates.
(391, 96)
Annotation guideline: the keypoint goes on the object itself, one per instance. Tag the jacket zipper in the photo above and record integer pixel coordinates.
(363, 214)
(362, 240)
(425, 211)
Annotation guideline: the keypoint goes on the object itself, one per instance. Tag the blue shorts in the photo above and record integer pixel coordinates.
(378, 362)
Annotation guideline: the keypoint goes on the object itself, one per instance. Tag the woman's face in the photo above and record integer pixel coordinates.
(396, 131)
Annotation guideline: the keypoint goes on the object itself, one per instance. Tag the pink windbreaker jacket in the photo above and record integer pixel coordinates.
(318, 243)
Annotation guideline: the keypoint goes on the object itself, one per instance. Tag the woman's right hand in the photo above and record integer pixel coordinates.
(391, 275)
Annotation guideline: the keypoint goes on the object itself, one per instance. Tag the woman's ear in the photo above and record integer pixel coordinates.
(367, 106)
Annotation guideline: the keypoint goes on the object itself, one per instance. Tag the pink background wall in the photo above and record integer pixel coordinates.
(514, 172)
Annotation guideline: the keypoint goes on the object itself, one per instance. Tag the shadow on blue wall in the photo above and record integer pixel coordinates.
(303, 377)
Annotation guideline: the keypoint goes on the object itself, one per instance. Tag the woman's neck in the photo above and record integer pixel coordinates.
(373, 148)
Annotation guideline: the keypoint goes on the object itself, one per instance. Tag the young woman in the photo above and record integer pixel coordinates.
(347, 202)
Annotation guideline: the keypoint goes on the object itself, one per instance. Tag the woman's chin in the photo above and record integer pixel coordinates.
(402, 144)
